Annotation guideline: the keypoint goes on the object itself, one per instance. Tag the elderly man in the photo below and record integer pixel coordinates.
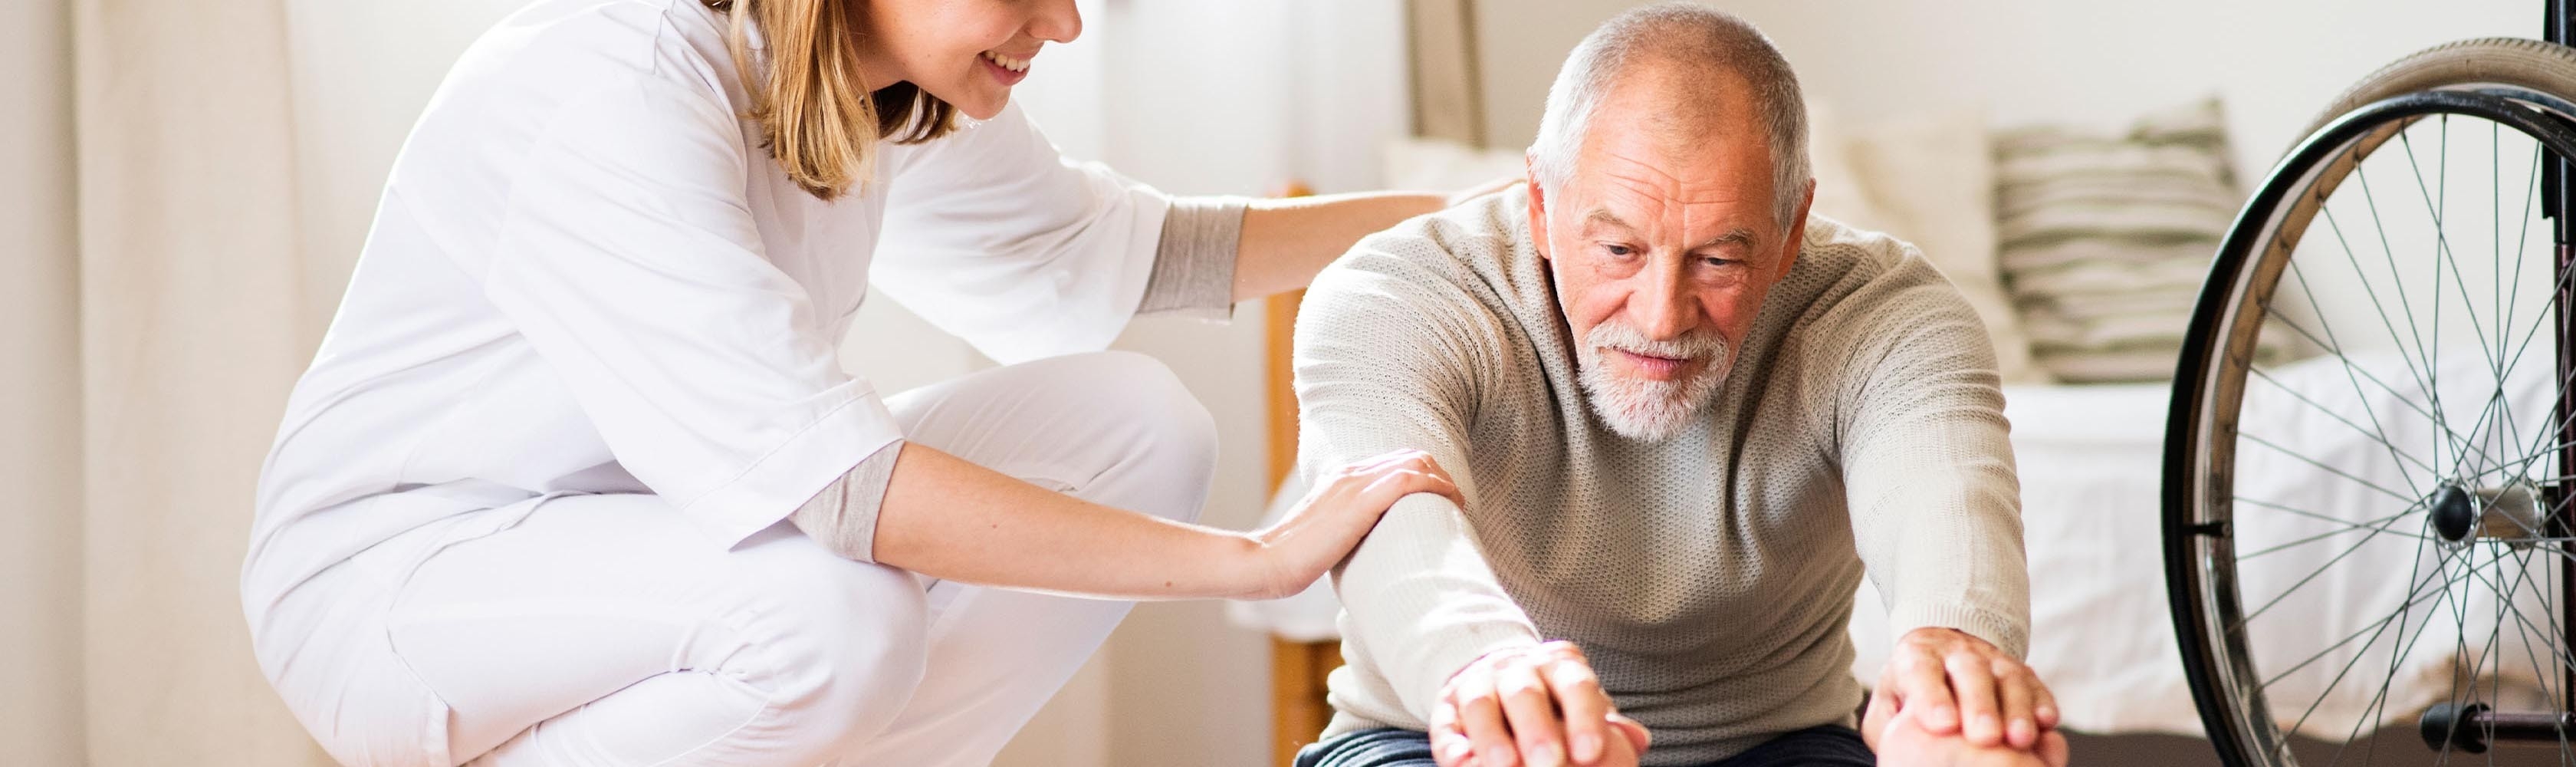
(1683, 415)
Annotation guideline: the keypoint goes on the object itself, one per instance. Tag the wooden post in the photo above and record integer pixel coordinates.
(1297, 669)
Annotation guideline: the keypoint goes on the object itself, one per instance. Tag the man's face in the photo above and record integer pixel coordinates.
(1662, 245)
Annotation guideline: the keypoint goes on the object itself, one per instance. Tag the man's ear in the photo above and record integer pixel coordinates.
(1537, 207)
(1797, 230)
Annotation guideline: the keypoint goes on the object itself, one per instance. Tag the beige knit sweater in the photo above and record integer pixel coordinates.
(1709, 577)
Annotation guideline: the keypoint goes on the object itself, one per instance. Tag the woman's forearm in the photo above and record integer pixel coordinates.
(947, 518)
(1286, 241)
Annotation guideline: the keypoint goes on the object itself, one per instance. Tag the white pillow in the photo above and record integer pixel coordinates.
(1928, 179)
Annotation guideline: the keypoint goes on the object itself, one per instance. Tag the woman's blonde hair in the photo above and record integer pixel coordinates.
(814, 109)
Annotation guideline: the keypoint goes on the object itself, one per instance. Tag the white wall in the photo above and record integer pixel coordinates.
(2274, 62)
(40, 544)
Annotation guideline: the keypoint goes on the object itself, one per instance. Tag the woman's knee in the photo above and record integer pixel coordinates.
(836, 646)
(1159, 443)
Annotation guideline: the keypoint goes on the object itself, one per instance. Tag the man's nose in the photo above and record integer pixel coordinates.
(1661, 308)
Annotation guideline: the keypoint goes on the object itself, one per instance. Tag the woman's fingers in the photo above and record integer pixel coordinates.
(1399, 483)
(1531, 710)
(1974, 683)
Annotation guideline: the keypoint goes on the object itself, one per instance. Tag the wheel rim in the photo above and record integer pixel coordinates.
(2221, 597)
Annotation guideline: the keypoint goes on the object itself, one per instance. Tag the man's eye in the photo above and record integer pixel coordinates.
(1618, 250)
(1714, 261)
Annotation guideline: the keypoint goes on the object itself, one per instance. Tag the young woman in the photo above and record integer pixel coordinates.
(577, 479)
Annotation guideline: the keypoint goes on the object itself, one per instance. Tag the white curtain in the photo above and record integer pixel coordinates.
(198, 306)
(40, 701)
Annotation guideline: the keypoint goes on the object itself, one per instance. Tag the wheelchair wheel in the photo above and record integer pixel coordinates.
(2367, 539)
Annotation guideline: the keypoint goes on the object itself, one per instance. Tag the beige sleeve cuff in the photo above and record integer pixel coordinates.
(843, 517)
(1194, 263)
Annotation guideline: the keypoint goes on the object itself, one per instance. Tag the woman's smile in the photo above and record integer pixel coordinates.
(1007, 69)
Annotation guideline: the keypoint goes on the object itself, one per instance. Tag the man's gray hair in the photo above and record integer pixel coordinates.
(1702, 40)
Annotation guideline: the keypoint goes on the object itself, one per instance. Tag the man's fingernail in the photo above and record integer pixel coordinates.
(1586, 747)
(1548, 755)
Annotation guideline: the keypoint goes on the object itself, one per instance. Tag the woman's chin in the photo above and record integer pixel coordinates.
(981, 105)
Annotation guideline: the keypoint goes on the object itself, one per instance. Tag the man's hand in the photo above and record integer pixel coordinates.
(1539, 706)
(1947, 682)
(1903, 742)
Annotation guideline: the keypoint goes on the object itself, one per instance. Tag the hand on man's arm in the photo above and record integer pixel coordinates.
(1538, 706)
(1942, 682)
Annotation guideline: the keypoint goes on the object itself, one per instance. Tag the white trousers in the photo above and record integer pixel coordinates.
(606, 630)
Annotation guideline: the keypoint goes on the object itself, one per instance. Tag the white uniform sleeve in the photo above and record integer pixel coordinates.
(632, 265)
(993, 235)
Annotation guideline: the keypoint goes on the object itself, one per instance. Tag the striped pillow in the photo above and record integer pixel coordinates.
(2104, 238)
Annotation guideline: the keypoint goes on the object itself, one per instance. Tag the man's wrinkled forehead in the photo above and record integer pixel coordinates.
(1628, 162)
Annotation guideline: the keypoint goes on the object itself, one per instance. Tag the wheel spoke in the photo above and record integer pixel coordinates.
(2373, 433)
(2355, 370)
(2415, 595)
(2311, 577)
(2367, 525)
(2322, 465)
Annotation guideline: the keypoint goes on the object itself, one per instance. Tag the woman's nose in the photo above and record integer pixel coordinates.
(1056, 21)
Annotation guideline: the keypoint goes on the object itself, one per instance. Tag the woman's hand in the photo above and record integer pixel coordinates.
(1332, 518)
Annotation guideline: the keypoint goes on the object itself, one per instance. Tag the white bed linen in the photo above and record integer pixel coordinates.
(2089, 459)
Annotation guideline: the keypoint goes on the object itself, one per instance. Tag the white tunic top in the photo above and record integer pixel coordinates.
(586, 275)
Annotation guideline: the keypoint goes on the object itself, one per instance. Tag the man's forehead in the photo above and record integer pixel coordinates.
(1691, 185)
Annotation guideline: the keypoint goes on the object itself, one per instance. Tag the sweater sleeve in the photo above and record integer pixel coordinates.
(1419, 600)
(1926, 463)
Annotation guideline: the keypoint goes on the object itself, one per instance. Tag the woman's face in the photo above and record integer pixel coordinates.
(965, 52)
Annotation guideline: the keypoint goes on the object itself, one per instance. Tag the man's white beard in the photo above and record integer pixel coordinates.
(1646, 409)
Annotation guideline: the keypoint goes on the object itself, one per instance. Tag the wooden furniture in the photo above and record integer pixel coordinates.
(1447, 104)
(1297, 669)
